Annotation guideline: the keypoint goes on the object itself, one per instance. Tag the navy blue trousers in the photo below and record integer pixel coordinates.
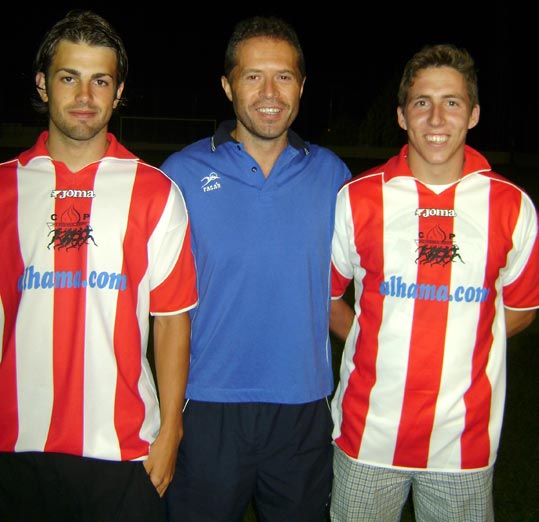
(279, 457)
(53, 487)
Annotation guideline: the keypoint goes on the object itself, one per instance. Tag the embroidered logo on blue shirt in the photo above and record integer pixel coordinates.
(210, 182)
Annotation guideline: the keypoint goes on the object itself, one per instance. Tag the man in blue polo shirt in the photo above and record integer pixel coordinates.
(261, 202)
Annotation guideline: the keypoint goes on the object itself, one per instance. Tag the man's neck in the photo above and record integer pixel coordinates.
(76, 154)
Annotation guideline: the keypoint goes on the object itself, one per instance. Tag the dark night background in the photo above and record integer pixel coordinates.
(354, 52)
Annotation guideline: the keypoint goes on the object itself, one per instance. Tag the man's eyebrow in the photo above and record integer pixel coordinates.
(100, 75)
(444, 96)
(74, 72)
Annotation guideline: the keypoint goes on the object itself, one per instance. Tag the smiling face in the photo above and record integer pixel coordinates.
(436, 117)
(265, 88)
(80, 90)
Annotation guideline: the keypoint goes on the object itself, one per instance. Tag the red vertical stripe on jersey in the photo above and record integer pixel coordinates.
(10, 295)
(71, 245)
(475, 438)
(427, 340)
(371, 304)
(129, 409)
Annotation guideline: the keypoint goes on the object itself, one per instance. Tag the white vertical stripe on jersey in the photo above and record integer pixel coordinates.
(35, 366)
(525, 229)
(444, 451)
(400, 235)
(344, 256)
(162, 259)
(110, 209)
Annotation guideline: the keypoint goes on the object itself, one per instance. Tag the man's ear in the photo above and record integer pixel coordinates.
(119, 91)
(41, 86)
(401, 119)
(226, 87)
(474, 117)
(301, 87)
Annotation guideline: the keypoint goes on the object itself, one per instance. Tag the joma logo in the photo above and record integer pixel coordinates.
(62, 194)
(428, 212)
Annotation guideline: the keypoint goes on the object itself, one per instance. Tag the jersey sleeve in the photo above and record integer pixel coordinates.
(521, 273)
(173, 275)
(341, 266)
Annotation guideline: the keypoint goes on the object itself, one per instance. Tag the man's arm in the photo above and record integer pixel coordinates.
(518, 320)
(341, 318)
(171, 336)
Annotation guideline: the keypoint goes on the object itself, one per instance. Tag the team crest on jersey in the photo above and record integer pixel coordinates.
(70, 230)
(210, 182)
(436, 247)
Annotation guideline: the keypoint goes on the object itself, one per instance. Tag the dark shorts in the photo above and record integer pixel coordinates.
(277, 456)
(53, 487)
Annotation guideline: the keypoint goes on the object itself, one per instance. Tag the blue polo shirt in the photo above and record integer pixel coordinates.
(262, 248)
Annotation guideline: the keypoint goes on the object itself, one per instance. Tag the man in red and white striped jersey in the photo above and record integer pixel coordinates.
(444, 256)
(93, 242)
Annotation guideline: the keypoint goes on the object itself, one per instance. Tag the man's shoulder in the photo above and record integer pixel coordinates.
(192, 151)
(324, 152)
(329, 161)
(184, 165)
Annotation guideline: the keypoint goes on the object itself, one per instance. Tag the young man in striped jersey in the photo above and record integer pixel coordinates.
(445, 262)
(93, 241)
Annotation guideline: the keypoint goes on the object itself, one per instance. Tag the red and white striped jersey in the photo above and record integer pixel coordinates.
(422, 379)
(85, 258)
